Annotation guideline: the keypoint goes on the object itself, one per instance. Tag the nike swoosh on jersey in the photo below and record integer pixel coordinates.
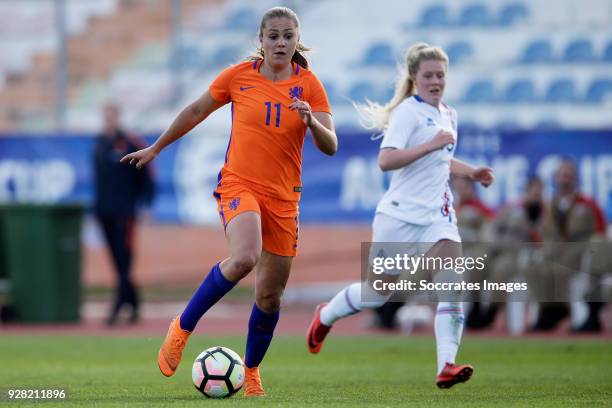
(244, 88)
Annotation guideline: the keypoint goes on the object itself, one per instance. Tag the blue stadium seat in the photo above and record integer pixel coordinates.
(561, 90)
(607, 55)
(520, 90)
(512, 13)
(434, 16)
(548, 124)
(482, 91)
(475, 15)
(332, 93)
(538, 51)
(387, 93)
(363, 90)
(598, 90)
(226, 55)
(243, 19)
(468, 127)
(459, 51)
(379, 54)
(579, 50)
(508, 125)
(191, 57)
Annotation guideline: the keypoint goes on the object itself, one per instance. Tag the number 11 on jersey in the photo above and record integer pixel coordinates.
(269, 113)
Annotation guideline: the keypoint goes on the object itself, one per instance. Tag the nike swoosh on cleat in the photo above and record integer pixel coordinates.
(244, 88)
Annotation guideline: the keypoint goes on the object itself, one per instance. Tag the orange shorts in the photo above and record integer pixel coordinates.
(279, 218)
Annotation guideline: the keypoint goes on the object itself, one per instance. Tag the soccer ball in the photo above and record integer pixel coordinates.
(218, 372)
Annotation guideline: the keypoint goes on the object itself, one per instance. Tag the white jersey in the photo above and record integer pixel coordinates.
(419, 193)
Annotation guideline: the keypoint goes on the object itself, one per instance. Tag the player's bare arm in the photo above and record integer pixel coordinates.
(393, 159)
(189, 118)
(324, 133)
(321, 126)
(483, 175)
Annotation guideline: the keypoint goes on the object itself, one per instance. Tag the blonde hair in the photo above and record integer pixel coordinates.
(278, 12)
(376, 116)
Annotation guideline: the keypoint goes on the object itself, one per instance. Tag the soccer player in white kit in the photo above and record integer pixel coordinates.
(420, 135)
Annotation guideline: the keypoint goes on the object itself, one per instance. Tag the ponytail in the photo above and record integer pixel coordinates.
(298, 55)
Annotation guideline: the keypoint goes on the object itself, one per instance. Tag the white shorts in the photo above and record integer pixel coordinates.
(389, 229)
(390, 236)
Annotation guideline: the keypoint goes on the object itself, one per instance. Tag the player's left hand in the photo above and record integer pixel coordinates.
(139, 158)
(303, 109)
(484, 175)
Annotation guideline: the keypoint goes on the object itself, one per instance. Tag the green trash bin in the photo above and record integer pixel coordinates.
(42, 247)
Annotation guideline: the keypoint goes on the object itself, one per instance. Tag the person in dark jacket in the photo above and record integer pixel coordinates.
(121, 191)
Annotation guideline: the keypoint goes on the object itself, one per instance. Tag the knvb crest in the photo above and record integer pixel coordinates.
(296, 92)
(234, 203)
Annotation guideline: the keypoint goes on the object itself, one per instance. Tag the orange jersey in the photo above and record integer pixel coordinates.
(265, 147)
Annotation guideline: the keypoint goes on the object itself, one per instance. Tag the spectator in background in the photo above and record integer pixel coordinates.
(516, 223)
(472, 213)
(473, 218)
(120, 190)
(573, 218)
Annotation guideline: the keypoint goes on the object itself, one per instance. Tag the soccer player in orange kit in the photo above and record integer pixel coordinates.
(275, 99)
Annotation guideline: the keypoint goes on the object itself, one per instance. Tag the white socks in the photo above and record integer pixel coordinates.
(448, 327)
(349, 301)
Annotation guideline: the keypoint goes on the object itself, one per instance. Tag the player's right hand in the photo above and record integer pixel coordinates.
(443, 138)
(140, 158)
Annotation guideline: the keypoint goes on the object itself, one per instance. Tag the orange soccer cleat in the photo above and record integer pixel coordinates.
(317, 331)
(454, 374)
(171, 350)
(252, 383)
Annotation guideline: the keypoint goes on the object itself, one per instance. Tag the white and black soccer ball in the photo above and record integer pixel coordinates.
(218, 372)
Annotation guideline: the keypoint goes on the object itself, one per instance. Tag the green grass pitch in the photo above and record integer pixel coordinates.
(357, 371)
